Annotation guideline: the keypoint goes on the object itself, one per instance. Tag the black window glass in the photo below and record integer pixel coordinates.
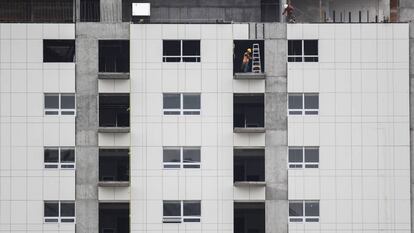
(310, 47)
(67, 102)
(58, 50)
(89, 10)
(192, 208)
(295, 209)
(51, 209)
(171, 48)
(51, 155)
(67, 209)
(295, 155)
(311, 102)
(295, 47)
(113, 56)
(171, 101)
(191, 155)
(191, 101)
(295, 101)
(172, 208)
(52, 101)
(171, 155)
(67, 155)
(312, 209)
(191, 48)
(312, 155)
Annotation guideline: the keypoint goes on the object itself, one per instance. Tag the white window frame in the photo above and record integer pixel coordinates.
(303, 110)
(181, 164)
(303, 56)
(181, 110)
(304, 218)
(59, 110)
(59, 217)
(58, 165)
(303, 164)
(181, 56)
(181, 218)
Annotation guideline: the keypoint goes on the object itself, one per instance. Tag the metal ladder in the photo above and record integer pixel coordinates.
(256, 63)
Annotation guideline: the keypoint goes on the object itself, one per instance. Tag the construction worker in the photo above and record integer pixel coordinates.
(246, 60)
(288, 12)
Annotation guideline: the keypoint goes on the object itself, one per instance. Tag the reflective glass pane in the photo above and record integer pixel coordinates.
(51, 101)
(310, 47)
(172, 208)
(311, 101)
(191, 48)
(295, 101)
(171, 101)
(67, 155)
(295, 155)
(312, 155)
(191, 101)
(171, 155)
(295, 209)
(191, 155)
(192, 208)
(51, 209)
(295, 47)
(67, 102)
(312, 209)
(171, 48)
(67, 209)
(51, 155)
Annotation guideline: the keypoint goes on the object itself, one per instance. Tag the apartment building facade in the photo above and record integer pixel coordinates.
(116, 118)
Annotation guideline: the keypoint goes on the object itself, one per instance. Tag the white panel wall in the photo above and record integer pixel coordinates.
(24, 184)
(362, 78)
(212, 130)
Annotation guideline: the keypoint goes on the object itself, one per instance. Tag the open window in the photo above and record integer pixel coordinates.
(58, 50)
(114, 217)
(249, 217)
(249, 59)
(114, 167)
(249, 165)
(114, 112)
(114, 56)
(248, 110)
(90, 10)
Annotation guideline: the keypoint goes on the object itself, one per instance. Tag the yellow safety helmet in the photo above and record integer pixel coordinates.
(249, 50)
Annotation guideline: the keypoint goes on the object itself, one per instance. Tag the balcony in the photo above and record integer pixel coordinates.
(350, 11)
(248, 110)
(114, 113)
(114, 217)
(249, 167)
(113, 59)
(113, 167)
(31, 11)
(249, 217)
(249, 59)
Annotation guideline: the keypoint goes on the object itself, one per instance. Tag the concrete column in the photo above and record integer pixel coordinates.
(282, 8)
(87, 151)
(276, 128)
(111, 11)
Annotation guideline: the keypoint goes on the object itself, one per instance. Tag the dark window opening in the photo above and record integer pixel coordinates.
(90, 11)
(172, 209)
(269, 10)
(310, 48)
(248, 56)
(114, 110)
(58, 50)
(114, 56)
(249, 165)
(249, 217)
(51, 209)
(248, 110)
(36, 11)
(294, 50)
(114, 217)
(113, 165)
(181, 51)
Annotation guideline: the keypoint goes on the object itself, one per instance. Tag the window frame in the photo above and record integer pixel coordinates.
(59, 164)
(182, 218)
(181, 57)
(304, 218)
(59, 218)
(303, 164)
(59, 111)
(181, 164)
(303, 57)
(181, 110)
(303, 110)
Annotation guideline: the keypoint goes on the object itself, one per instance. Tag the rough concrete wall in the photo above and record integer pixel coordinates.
(87, 36)
(275, 123)
(406, 11)
(202, 10)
